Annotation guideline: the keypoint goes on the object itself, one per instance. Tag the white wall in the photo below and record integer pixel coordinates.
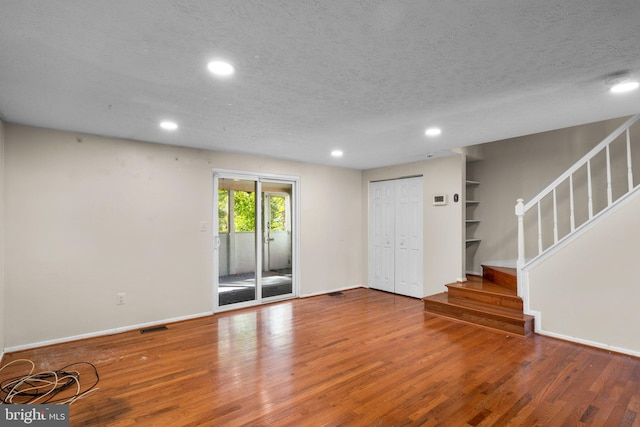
(90, 217)
(588, 291)
(443, 237)
(2, 270)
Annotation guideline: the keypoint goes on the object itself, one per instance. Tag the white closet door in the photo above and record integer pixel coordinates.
(395, 248)
(408, 277)
(382, 234)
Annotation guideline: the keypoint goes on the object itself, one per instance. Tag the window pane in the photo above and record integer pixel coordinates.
(278, 214)
(244, 206)
(223, 211)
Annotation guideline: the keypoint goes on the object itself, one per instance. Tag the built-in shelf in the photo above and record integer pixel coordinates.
(469, 239)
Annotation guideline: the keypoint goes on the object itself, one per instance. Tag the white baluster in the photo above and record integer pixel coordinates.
(571, 205)
(555, 217)
(609, 189)
(520, 215)
(589, 189)
(629, 166)
(539, 229)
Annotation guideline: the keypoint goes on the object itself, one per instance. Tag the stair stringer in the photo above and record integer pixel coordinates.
(527, 284)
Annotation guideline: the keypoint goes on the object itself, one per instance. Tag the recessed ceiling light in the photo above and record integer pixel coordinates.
(221, 68)
(433, 131)
(337, 153)
(167, 125)
(627, 86)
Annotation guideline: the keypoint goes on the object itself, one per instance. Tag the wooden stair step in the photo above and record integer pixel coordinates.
(481, 290)
(502, 276)
(489, 309)
(489, 300)
(502, 318)
(480, 283)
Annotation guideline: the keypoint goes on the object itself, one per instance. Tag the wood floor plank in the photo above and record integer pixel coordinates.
(362, 358)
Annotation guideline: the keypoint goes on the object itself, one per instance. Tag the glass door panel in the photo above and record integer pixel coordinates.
(237, 241)
(277, 238)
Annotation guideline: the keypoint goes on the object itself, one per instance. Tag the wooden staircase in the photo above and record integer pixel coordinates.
(489, 300)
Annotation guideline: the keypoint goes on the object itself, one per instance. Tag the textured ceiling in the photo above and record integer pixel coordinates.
(364, 76)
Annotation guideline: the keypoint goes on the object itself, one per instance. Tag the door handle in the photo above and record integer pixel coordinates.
(216, 244)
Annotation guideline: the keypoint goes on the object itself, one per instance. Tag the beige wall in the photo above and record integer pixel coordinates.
(88, 218)
(520, 168)
(443, 254)
(2, 274)
(589, 289)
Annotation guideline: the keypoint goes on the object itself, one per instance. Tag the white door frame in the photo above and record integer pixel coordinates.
(295, 227)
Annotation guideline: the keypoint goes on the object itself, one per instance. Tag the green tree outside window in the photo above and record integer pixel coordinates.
(278, 214)
(223, 211)
(244, 206)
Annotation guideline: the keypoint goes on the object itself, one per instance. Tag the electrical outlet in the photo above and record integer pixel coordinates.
(120, 298)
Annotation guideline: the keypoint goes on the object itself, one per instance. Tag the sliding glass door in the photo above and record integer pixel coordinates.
(277, 243)
(256, 239)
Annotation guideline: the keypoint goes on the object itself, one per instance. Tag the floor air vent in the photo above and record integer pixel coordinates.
(153, 329)
(335, 294)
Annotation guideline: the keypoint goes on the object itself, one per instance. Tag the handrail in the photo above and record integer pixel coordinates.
(591, 154)
(521, 208)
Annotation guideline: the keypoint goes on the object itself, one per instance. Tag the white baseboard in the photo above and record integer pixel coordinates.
(589, 343)
(346, 288)
(104, 332)
(140, 326)
(540, 331)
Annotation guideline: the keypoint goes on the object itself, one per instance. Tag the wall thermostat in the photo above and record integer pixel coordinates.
(440, 199)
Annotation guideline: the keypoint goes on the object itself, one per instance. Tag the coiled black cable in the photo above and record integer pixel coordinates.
(53, 387)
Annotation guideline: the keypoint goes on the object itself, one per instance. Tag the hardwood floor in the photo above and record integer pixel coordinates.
(363, 358)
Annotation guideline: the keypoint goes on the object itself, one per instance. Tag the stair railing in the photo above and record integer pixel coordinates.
(552, 189)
